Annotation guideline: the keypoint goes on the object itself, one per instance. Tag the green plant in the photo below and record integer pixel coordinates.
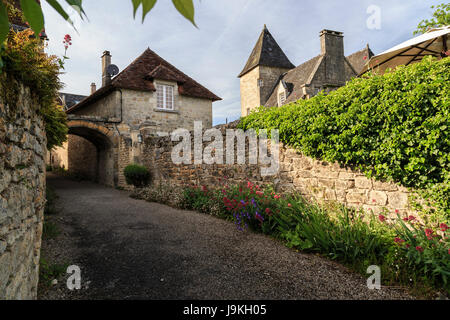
(441, 18)
(48, 272)
(50, 230)
(25, 61)
(137, 175)
(51, 197)
(393, 126)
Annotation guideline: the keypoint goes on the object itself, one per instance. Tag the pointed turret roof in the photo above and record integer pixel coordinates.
(267, 53)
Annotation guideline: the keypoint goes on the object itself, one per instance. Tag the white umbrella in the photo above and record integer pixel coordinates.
(435, 42)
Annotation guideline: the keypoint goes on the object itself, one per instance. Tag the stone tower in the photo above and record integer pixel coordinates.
(266, 64)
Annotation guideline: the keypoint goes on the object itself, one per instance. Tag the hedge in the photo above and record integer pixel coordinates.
(393, 127)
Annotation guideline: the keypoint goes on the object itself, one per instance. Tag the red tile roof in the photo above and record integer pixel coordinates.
(139, 75)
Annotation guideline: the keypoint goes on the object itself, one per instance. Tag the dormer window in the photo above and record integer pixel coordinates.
(281, 98)
(164, 97)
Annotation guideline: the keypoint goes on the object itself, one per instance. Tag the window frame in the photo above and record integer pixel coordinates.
(164, 88)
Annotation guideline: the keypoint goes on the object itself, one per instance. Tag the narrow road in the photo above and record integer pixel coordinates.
(132, 249)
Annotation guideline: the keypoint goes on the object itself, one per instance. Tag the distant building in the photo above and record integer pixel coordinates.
(270, 79)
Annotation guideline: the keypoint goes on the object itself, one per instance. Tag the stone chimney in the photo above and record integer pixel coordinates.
(332, 46)
(106, 62)
(93, 87)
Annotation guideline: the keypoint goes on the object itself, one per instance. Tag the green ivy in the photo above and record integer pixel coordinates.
(393, 127)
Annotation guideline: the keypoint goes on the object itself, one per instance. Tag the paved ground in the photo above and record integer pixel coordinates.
(131, 249)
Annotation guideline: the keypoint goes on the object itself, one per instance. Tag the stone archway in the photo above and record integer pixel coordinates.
(100, 145)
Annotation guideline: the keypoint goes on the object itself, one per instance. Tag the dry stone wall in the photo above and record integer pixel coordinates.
(314, 179)
(22, 196)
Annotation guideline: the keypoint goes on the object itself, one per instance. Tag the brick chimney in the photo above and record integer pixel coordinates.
(93, 87)
(332, 46)
(106, 62)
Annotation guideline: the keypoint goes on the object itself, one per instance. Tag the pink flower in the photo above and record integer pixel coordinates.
(411, 218)
(289, 205)
(382, 218)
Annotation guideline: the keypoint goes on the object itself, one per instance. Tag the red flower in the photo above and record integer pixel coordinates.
(268, 211)
(382, 218)
(419, 248)
(398, 240)
(411, 218)
(428, 232)
(444, 227)
(289, 205)
(448, 251)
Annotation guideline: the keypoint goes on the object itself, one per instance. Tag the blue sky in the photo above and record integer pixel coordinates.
(215, 53)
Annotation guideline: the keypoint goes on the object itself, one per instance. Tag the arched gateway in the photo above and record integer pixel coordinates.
(95, 155)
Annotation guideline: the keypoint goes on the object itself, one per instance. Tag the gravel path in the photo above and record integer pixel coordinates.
(132, 249)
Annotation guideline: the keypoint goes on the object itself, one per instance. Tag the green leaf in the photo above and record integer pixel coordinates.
(4, 22)
(33, 14)
(55, 5)
(147, 5)
(186, 8)
(136, 4)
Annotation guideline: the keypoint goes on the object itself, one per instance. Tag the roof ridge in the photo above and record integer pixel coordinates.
(266, 52)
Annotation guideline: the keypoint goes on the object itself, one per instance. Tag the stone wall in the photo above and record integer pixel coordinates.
(22, 196)
(315, 180)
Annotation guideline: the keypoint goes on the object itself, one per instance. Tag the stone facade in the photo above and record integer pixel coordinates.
(22, 196)
(314, 179)
(257, 85)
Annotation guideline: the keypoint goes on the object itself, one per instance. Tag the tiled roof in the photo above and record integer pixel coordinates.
(360, 58)
(139, 75)
(267, 53)
(294, 79)
(69, 100)
(299, 76)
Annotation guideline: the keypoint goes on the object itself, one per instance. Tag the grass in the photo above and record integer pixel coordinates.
(48, 272)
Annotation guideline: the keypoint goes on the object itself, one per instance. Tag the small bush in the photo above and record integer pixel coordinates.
(137, 175)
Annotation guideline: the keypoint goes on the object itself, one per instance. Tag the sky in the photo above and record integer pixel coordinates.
(215, 53)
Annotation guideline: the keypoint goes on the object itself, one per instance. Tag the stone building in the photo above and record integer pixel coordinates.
(270, 79)
(149, 97)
